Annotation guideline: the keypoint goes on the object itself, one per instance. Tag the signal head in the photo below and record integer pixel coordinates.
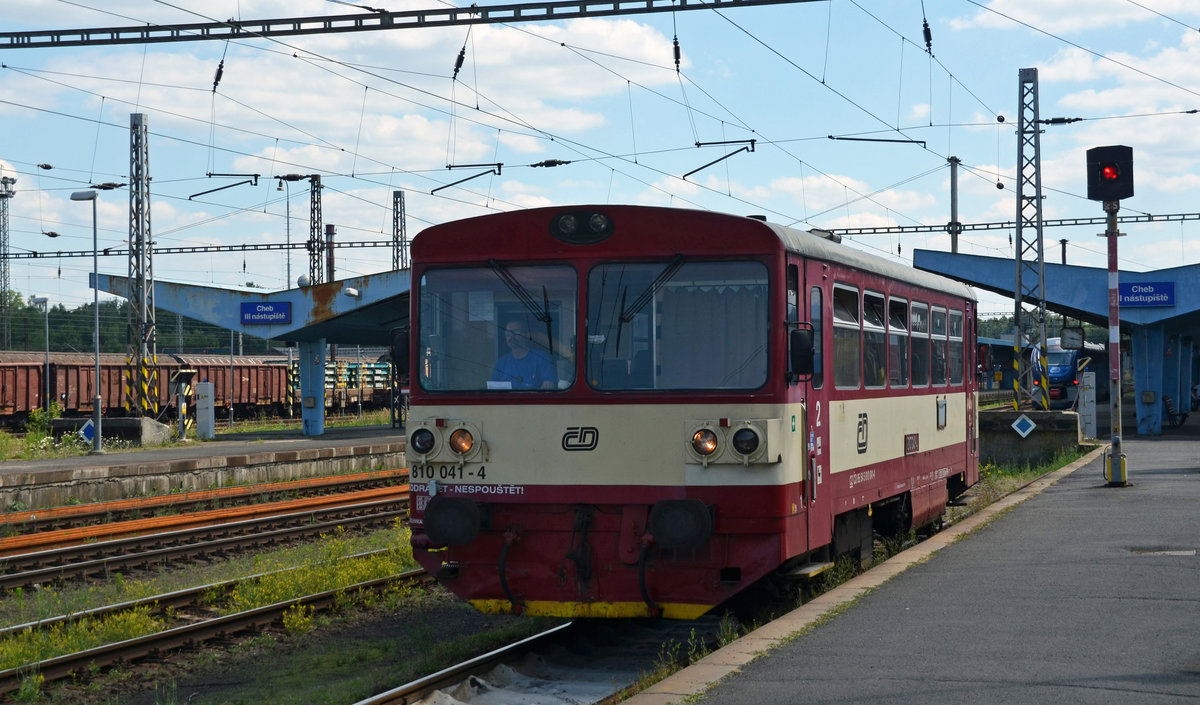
(1110, 173)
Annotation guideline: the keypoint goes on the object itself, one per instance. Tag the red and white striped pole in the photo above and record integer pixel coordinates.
(1115, 472)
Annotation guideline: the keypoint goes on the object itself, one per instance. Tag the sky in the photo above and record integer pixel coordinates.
(853, 119)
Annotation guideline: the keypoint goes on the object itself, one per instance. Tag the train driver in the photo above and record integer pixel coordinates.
(522, 367)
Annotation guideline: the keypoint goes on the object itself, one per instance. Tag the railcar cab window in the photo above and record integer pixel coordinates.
(677, 324)
(847, 342)
(919, 322)
(466, 312)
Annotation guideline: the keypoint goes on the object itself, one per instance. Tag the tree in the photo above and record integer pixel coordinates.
(73, 330)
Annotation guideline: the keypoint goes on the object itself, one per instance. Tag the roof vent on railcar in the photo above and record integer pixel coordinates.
(826, 235)
(756, 216)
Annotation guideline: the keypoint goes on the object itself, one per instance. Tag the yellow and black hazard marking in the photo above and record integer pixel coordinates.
(141, 386)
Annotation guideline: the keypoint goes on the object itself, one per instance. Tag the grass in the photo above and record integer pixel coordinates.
(1000, 480)
(21, 605)
(378, 417)
(335, 667)
(30, 647)
(322, 565)
(38, 444)
(331, 570)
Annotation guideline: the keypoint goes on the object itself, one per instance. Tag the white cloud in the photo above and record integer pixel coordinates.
(1066, 16)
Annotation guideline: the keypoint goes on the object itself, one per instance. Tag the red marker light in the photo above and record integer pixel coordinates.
(1109, 172)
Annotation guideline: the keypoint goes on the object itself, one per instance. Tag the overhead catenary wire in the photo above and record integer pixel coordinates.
(355, 151)
(653, 186)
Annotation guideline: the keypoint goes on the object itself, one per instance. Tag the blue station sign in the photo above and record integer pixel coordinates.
(1146, 293)
(264, 313)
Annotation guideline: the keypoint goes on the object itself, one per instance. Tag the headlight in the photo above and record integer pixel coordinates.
(461, 441)
(704, 442)
(581, 227)
(567, 225)
(598, 223)
(422, 440)
(745, 441)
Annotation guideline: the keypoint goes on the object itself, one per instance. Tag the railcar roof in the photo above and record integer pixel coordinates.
(800, 241)
(811, 245)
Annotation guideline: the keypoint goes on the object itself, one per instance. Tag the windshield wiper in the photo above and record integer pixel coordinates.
(647, 295)
(540, 312)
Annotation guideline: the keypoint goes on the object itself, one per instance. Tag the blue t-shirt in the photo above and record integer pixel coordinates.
(529, 372)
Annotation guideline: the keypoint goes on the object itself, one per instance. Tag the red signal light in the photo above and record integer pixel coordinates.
(1110, 173)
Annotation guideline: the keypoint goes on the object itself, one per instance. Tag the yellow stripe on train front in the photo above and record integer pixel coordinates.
(586, 610)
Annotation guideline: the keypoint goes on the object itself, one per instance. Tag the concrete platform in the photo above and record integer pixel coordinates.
(233, 458)
(1067, 592)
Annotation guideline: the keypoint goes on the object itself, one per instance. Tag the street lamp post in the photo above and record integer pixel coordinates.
(90, 195)
(44, 302)
(287, 281)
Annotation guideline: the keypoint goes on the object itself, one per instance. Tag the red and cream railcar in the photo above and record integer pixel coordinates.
(687, 403)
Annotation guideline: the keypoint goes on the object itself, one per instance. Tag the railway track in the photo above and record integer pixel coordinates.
(592, 663)
(162, 543)
(70, 516)
(63, 538)
(185, 634)
(572, 664)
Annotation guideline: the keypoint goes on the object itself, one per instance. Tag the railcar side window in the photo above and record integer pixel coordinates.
(874, 340)
(677, 325)
(498, 328)
(898, 343)
(956, 347)
(816, 316)
(920, 344)
(847, 352)
(939, 345)
(793, 293)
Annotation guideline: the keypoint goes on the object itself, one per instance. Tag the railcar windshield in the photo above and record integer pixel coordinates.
(1060, 359)
(497, 327)
(677, 324)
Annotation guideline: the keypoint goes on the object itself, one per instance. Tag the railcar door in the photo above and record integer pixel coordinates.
(816, 488)
(973, 371)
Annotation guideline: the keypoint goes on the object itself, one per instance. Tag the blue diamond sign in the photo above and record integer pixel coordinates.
(1024, 425)
(87, 430)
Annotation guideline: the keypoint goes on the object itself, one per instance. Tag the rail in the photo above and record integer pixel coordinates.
(61, 667)
(121, 554)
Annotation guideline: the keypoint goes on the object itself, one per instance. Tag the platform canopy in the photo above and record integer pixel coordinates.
(1164, 297)
(359, 310)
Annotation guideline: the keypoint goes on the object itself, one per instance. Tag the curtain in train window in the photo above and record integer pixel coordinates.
(677, 325)
(874, 340)
(956, 347)
(920, 344)
(939, 345)
(847, 341)
(898, 343)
